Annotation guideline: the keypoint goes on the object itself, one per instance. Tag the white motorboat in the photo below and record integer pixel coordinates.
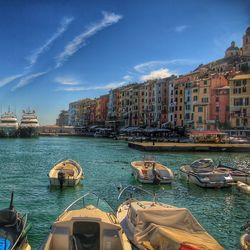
(155, 225)
(65, 173)
(242, 175)
(204, 174)
(13, 229)
(90, 227)
(150, 171)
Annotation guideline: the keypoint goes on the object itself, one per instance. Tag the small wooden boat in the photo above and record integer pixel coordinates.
(237, 174)
(86, 228)
(65, 173)
(13, 229)
(150, 171)
(154, 225)
(204, 174)
(243, 187)
(245, 238)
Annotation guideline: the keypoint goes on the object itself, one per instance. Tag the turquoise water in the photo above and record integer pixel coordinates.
(25, 164)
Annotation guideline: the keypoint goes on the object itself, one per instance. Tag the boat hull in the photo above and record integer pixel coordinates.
(196, 179)
(28, 132)
(8, 132)
(66, 183)
(243, 187)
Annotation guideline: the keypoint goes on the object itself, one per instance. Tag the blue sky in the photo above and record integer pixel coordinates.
(55, 52)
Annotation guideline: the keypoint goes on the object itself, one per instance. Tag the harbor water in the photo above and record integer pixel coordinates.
(25, 164)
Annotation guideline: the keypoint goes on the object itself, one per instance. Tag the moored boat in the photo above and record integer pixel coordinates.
(29, 126)
(65, 173)
(204, 174)
(150, 171)
(237, 174)
(8, 125)
(13, 229)
(243, 187)
(155, 225)
(90, 227)
(245, 238)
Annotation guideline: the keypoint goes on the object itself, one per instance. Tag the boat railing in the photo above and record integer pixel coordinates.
(132, 189)
(84, 205)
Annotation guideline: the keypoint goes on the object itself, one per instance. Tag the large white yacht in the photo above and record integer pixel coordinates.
(8, 124)
(29, 125)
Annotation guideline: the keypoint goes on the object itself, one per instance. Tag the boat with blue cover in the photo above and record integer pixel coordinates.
(13, 229)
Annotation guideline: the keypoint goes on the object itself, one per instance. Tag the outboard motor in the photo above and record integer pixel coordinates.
(157, 179)
(61, 178)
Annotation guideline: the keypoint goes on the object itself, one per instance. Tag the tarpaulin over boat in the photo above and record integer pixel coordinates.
(169, 228)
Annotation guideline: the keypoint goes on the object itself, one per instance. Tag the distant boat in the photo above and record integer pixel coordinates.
(90, 228)
(29, 126)
(203, 173)
(8, 125)
(65, 173)
(155, 225)
(150, 171)
(13, 229)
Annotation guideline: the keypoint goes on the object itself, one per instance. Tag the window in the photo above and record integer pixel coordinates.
(205, 91)
(180, 92)
(217, 109)
(200, 119)
(180, 108)
(217, 98)
(200, 109)
(180, 116)
(180, 99)
(195, 98)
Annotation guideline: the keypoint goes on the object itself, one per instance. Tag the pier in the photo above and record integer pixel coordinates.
(189, 147)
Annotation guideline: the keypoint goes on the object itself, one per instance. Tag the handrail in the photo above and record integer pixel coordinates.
(133, 189)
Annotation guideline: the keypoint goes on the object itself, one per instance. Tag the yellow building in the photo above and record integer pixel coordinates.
(240, 101)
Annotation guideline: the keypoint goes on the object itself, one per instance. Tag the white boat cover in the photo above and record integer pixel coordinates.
(165, 228)
(203, 165)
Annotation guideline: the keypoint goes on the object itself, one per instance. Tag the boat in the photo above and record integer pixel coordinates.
(65, 173)
(29, 126)
(245, 238)
(93, 226)
(8, 124)
(150, 171)
(237, 174)
(243, 187)
(13, 229)
(155, 225)
(203, 173)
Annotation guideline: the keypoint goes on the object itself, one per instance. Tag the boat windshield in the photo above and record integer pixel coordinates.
(149, 158)
(203, 165)
(88, 200)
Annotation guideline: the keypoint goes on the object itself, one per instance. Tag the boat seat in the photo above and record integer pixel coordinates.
(86, 235)
(7, 217)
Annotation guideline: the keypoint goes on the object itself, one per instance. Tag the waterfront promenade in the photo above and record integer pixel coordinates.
(189, 147)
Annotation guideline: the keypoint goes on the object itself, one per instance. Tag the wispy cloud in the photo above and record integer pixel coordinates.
(27, 79)
(180, 28)
(9, 79)
(127, 77)
(108, 86)
(37, 52)
(79, 41)
(67, 81)
(157, 74)
(150, 65)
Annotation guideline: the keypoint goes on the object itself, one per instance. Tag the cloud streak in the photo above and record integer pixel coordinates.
(9, 79)
(61, 29)
(27, 79)
(150, 65)
(66, 81)
(108, 86)
(79, 41)
(180, 28)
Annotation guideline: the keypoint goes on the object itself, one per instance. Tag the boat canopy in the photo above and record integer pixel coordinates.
(169, 228)
(203, 165)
